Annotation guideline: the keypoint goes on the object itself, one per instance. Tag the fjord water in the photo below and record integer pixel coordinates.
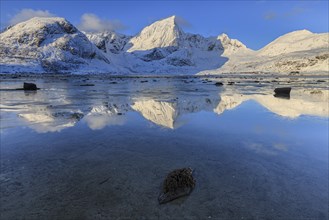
(99, 148)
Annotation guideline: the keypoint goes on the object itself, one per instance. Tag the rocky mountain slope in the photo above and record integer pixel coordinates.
(108, 42)
(54, 45)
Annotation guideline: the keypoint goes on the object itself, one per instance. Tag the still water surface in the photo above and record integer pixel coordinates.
(101, 152)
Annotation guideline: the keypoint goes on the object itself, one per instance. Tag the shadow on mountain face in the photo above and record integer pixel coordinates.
(175, 59)
(159, 49)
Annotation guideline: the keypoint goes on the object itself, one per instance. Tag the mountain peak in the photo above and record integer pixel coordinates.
(303, 31)
(171, 19)
(35, 30)
(231, 45)
(300, 40)
(39, 22)
(300, 34)
(55, 25)
(160, 34)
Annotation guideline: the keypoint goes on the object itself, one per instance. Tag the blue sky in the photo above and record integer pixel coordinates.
(255, 23)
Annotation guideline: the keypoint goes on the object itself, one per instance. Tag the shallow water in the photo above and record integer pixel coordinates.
(102, 151)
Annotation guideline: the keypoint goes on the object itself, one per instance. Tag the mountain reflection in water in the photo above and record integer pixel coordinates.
(61, 104)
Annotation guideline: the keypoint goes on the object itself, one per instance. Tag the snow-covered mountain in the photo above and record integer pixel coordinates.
(160, 34)
(163, 47)
(48, 44)
(295, 41)
(298, 51)
(55, 45)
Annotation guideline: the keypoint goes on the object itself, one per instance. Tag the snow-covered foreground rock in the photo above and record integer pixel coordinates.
(53, 45)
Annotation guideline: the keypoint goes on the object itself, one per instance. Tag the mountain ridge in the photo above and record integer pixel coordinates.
(54, 45)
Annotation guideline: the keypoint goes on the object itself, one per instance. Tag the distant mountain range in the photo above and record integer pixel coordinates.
(54, 45)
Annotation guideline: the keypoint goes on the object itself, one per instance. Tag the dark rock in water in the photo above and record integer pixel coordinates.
(29, 86)
(230, 83)
(218, 84)
(283, 92)
(87, 85)
(144, 81)
(178, 183)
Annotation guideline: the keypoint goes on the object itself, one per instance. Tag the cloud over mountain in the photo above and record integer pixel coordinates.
(27, 13)
(92, 23)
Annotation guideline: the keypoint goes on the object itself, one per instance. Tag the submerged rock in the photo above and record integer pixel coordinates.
(218, 84)
(29, 86)
(178, 183)
(283, 92)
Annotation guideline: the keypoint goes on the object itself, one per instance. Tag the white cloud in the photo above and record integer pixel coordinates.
(91, 22)
(294, 12)
(291, 13)
(270, 15)
(27, 13)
